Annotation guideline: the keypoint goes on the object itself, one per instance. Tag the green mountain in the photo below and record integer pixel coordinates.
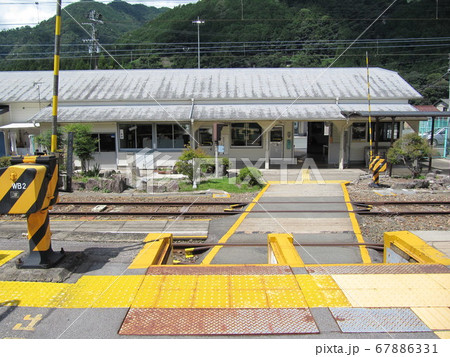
(408, 36)
(31, 48)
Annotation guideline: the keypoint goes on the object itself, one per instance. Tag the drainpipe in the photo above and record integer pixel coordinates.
(192, 141)
(191, 117)
(342, 144)
(392, 143)
(267, 144)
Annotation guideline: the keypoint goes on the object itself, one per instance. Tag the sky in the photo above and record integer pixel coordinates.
(17, 13)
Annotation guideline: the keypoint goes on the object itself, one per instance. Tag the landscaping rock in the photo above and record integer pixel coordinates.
(411, 184)
(92, 184)
(172, 186)
(77, 186)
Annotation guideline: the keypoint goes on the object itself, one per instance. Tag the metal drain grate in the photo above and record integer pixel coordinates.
(219, 270)
(152, 322)
(379, 269)
(377, 320)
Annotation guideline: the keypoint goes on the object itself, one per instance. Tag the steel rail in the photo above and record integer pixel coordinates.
(227, 213)
(152, 203)
(233, 212)
(365, 212)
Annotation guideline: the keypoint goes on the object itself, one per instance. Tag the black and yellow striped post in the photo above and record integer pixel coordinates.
(377, 165)
(29, 187)
(56, 62)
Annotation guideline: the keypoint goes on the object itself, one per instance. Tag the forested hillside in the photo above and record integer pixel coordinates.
(31, 48)
(409, 36)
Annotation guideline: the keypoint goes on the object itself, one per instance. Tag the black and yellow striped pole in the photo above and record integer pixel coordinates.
(56, 61)
(30, 184)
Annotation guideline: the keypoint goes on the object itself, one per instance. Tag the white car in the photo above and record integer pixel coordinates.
(438, 137)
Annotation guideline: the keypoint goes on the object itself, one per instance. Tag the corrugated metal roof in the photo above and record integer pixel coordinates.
(209, 84)
(204, 112)
(125, 113)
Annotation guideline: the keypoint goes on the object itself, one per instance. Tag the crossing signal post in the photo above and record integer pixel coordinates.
(30, 187)
(377, 165)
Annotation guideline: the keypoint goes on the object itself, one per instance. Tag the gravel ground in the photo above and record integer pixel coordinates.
(373, 227)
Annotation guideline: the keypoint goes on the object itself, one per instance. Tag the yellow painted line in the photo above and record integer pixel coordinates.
(7, 255)
(364, 252)
(210, 256)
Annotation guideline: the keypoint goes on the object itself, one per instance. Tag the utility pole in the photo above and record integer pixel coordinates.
(198, 22)
(93, 44)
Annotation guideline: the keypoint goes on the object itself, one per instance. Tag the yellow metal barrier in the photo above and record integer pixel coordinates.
(405, 247)
(156, 251)
(29, 187)
(281, 250)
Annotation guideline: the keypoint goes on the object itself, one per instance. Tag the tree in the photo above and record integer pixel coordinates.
(83, 143)
(185, 163)
(409, 150)
(44, 139)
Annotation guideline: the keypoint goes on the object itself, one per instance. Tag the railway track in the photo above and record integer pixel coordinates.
(150, 208)
(221, 208)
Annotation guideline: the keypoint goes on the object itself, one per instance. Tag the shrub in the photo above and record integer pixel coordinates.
(184, 165)
(94, 172)
(5, 161)
(83, 143)
(409, 150)
(252, 176)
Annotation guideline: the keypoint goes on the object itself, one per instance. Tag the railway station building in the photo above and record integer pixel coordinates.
(261, 113)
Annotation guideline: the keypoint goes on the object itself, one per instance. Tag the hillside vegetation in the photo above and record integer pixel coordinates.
(31, 48)
(408, 36)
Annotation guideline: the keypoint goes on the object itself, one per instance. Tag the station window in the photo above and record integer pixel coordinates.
(385, 131)
(204, 136)
(134, 136)
(105, 142)
(172, 136)
(246, 134)
(359, 132)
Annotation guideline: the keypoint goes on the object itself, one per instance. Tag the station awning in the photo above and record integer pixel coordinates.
(19, 126)
(211, 112)
(405, 115)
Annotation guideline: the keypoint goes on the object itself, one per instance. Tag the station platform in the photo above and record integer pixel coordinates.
(280, 289)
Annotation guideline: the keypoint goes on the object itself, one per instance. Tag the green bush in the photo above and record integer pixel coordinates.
(184, 165)
(409, 150)
(252, 175)
(5, 161)
(94, 172)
